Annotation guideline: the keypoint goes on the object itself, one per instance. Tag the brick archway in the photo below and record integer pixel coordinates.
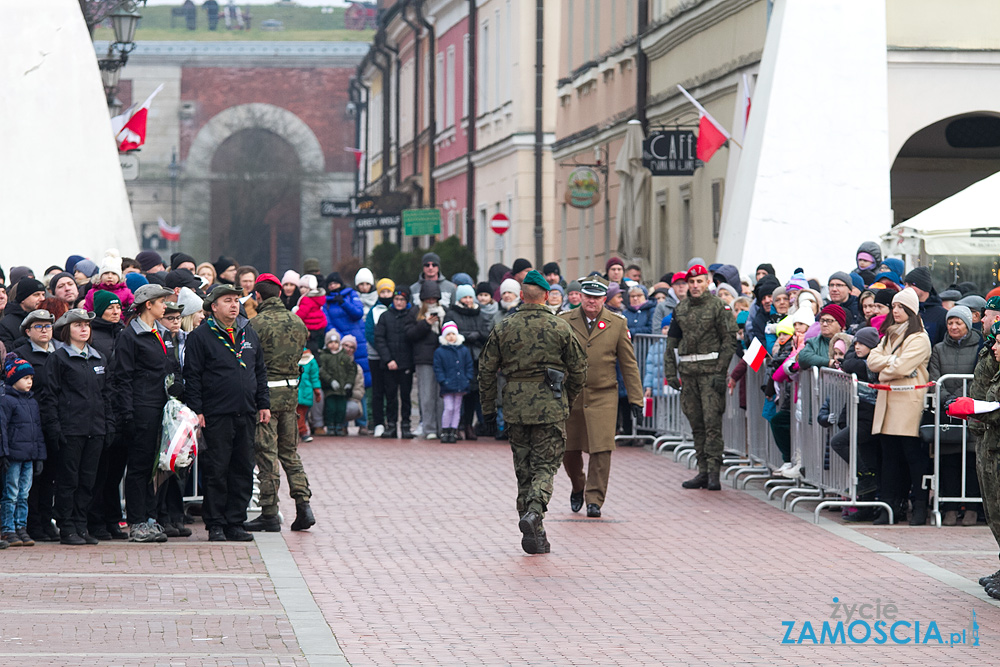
(196, 194)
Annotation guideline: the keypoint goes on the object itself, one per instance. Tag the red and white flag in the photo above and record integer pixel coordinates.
(133, 132)
(755, 355)
(711, 135)
(167, 232)
(358, 154)
(745, 106)
(965, 407)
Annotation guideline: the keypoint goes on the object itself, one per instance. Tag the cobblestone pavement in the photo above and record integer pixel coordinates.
(416, 560)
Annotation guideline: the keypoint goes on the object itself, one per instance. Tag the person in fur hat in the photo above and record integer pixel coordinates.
(110, 279)
(454, 374)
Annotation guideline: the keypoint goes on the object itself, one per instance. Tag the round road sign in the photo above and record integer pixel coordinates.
(499, 223)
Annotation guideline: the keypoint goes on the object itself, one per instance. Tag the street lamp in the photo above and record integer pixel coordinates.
(124, 22)
(115, 106)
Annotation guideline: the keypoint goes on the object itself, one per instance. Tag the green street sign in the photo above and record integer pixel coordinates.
(421, 221)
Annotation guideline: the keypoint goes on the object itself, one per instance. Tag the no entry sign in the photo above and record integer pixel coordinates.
(499, 223)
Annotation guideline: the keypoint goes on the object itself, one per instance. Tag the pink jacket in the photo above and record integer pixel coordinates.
(310, 309)
(120, 290)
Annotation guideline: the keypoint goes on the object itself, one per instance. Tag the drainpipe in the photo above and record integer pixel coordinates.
(368, 132)
(470, 133)
(386, 70)
(392, 53)
(539, 137)
(354, 93)
(642, 67)
(432, 106)
(416, 91)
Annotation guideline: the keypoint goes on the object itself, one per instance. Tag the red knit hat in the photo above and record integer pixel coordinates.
(837, 313)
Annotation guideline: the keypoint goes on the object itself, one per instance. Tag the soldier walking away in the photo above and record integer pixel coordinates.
(604, 336)
(545, 369)
(282, 338)
(703, 332)
(225, 383)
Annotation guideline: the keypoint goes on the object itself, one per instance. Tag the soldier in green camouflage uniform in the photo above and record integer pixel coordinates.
(703, 331)
(282, 336)
(986, 387)
(521, 348)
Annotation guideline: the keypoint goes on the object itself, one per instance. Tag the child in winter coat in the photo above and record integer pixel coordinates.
(110, 279)
(336, 373)
(22, 449)
(310, 391)
(454, 374)
(310, 310)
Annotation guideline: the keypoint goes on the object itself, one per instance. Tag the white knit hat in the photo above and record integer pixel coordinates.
(290, 277)
(510, 285)
(112, 263)
(364, 276)
(308, 280)
(449, 326)
(908, 297)
(192, 302)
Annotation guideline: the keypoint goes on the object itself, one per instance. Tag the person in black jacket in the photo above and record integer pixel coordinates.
(107, 322)
(225, 383)
(143, 359)
(28, 297)
(37, 351)
(76, 406)
(22, 451)
(475, 328)
(396, 355)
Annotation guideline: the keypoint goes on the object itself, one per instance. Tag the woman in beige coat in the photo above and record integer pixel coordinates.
(901, 361)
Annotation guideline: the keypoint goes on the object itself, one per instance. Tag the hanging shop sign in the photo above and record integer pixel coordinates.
(669, 153)
(583, 188)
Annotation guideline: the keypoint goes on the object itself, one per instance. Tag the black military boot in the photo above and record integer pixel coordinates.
(405, 433)
(530, 526)
(699, 481)
(267, 524)
(713, 482)
(390, 431)
(919, 516)
(303, 517)
(989, 578)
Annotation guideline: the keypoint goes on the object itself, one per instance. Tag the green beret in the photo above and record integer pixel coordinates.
(994, 330)
(993, 303)
(537, 279)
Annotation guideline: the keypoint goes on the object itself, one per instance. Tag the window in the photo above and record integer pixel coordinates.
(466, 69)
(569, 37)
(439, 83)
(597, 28)
(425, 83)
(716, 207)
(449, 92)
(586, 30)
(508, 63)
(484, 70)
(498, 59)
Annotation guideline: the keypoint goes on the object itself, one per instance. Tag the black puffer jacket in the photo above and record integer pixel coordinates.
(103, 336)
(76, 399)
(11, 334)
(141, 363)
(22, 426)
(424, 340)
(472, 324)
(390, 337)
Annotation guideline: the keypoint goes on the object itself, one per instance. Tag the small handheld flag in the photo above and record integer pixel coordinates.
(755, 355)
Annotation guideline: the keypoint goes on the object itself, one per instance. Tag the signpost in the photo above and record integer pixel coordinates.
(669, 153)
(421, 221)
(499, 223)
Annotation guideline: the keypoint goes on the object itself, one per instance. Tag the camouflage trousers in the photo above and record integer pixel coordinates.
(278, 441)
(703, 400)
(538, 452)
(988, 471)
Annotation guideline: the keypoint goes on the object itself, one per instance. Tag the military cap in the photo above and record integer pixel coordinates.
(696, 270)
(535, 278)
(40, 315)
(993, 303)
(268, 278)
(150, 292)
(174, 307)
(221, 290)
(593, 287)
(73, 315)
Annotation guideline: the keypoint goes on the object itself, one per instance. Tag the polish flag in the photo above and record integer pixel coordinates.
(711, 135)
(358, 154)
(167, 232)
(755, 355)
(965, 407)
(133, 133)
(745, 105)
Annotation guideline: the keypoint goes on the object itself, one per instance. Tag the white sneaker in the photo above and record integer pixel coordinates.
(419, 431)
(379, 430)
(432, 436)
(790, 470)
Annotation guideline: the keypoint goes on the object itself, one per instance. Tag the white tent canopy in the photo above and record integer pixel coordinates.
(963, 224)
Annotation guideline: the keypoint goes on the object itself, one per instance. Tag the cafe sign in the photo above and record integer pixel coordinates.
(670, 153)
(583, 188)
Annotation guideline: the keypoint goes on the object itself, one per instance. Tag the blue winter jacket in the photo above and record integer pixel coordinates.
(653, 376)
(21, 423)
(453, 368)
(345, 313)
(640, 320)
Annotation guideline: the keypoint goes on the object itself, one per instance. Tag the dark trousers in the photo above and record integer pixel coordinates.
(143, 444)
(106, 505)
(227, 469)
(398, 386)
(41, 498)
(951, 481)
(378, 393)
(869, 455)
(904, 463)
(781, 429)
(170, 502)
(75, 481)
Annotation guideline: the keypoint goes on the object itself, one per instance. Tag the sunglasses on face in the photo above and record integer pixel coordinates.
(431, 264)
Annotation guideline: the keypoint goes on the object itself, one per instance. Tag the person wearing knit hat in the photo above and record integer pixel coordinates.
(764, 270)
(364, 276)
(932, 313)
(919, 278)
(510, 286)
(453, 370)
(463, 279)
(857, 282)
(107, 324)
(149, 261)
(552, 273)
(23, 449)
(134, 281)
(364, 284)
(29, 295)
(15, 368)
(63, 287)
(431, 272)
(103, 299)
(311, 266)
(385, 284)
(110, 279)
(839, 287)
(463, 291)
(84, 271)
(180, 260)
(957, 333)
(832, 320)
(520, 269)
(900, 360)
(484, 288)
(71, 262)
(18, 272)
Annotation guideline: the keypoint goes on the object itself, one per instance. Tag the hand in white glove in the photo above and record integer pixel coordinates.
(347, 387)
(334, 385)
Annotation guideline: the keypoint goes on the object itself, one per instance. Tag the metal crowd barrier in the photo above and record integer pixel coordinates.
(939, 428)
(665, 424)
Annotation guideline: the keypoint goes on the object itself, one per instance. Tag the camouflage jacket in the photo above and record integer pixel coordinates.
(339, 367)
(982, 377)
(704, 325)
(282, 338)
(520, 348)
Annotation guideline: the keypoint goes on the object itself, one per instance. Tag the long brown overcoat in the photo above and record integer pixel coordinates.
(591, 424)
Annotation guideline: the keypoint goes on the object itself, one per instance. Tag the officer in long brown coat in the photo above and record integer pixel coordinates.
(591, 425)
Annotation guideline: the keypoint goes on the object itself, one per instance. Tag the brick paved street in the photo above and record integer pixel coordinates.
(417, 560)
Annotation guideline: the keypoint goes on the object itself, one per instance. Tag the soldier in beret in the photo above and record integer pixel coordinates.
(703, 332)
(604, 336)
(545, 369)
